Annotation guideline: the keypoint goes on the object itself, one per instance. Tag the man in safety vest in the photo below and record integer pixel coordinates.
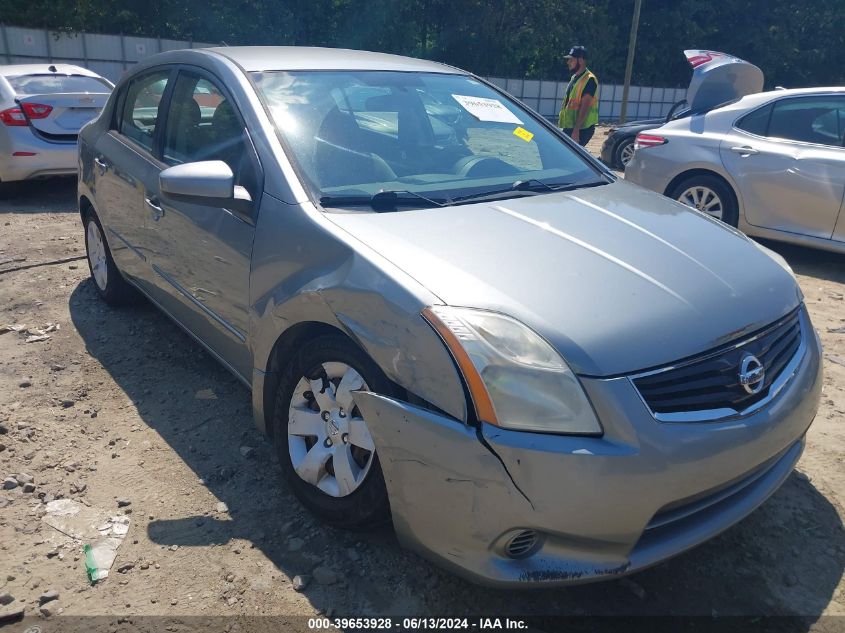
(580, 111)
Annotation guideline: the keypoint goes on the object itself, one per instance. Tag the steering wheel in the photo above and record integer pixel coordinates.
(483, 167)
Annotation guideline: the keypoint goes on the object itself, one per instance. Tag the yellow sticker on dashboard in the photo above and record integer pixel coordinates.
(524, 134)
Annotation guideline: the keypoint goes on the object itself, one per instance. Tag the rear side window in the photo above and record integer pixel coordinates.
(819, 120)
(141, 108)
(53, 84)
(756, 122)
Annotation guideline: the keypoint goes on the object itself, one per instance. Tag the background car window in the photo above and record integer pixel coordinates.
(756, 122)
(811, 120)
(141, 108)
(203, 125)
(53, 84)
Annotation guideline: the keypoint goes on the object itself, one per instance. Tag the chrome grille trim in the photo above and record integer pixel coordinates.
(721, 414)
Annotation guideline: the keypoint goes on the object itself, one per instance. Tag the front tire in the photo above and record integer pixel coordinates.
(324, 445)
(110, 284)
(708, 194)
(623, 153)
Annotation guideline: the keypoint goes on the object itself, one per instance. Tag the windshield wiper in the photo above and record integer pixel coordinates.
(384, 200)
(390, 199)
(531, 186)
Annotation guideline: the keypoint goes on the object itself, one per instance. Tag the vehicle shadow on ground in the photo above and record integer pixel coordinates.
(811, 262)
(786, 558)
(54, 195)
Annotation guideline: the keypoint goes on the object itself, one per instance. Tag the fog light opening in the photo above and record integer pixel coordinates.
(522, 544)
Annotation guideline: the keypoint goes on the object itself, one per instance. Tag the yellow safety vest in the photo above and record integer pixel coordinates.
(572, 104)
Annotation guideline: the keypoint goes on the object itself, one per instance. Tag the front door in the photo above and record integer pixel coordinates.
(789, 163)
(202, 253)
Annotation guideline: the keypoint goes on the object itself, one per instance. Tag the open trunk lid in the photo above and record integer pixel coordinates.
(718, 78)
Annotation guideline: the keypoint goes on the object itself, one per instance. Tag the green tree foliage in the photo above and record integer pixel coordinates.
(795, 42)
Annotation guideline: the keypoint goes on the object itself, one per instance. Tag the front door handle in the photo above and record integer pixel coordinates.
(157, 210)
(745, 150)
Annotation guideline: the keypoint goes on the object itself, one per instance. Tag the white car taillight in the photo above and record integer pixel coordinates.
(649, 140)
(21, 116)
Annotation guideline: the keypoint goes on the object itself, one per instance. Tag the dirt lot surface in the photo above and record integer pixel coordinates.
(119, 404)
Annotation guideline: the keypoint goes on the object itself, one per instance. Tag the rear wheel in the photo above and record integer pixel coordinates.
(709, 195)
(110, 284)
(323, 442)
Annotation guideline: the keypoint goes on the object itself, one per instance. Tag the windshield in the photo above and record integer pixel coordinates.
(53, 84)
(441, 136)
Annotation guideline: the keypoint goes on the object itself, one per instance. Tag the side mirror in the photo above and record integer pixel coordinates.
(209, 183)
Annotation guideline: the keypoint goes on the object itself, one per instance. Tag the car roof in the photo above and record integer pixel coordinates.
(764, 97)
(15, 70)
(258, 58)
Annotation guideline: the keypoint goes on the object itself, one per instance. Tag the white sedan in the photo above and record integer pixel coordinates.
(770, 163)
(42, 109)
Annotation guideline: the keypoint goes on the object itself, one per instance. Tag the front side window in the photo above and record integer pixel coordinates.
(54, 84)
(818, 120)
(202, 125)
(441, 136)
(141, 108)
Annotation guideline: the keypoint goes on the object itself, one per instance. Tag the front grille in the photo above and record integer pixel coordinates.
(712, 381)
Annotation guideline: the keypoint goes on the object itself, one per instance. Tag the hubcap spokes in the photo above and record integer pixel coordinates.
(329, 443)
(627, 154)
(704, 199)
(97, 255)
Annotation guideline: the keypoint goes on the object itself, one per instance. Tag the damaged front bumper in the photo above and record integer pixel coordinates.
(514, 509)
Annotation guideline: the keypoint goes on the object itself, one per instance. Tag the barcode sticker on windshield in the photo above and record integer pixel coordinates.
(524, 134)
(487, 109)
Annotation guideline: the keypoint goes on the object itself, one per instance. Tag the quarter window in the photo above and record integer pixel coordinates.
(756, 122)
(141, 108)
(819, 120)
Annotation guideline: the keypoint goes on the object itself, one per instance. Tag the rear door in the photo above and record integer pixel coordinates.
(201, 254)
(123, 160)
(788, 160)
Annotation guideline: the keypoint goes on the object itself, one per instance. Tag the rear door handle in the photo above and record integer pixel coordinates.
(745, 150)
(101, 164)
(157, 210)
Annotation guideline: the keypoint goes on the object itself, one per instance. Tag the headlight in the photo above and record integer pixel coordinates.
(515, 378)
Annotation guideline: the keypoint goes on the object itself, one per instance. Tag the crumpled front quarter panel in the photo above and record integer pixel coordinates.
(304, 269)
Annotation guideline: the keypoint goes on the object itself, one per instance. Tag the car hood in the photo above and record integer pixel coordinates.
(718, 78)
(617, 278)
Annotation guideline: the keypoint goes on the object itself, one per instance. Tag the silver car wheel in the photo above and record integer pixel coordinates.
(329, 443)
(626, 154)
(97, 255)
(704, 199)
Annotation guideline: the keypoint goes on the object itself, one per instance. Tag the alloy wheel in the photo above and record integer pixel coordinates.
(626, 154)
(704, 199)
(97, 255)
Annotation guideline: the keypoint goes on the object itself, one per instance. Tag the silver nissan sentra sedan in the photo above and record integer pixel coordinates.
(448, 314)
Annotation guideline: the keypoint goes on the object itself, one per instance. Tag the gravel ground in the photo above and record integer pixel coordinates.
(120, 405)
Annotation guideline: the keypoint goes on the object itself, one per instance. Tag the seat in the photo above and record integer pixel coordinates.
(340, 157)
(183, 129)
